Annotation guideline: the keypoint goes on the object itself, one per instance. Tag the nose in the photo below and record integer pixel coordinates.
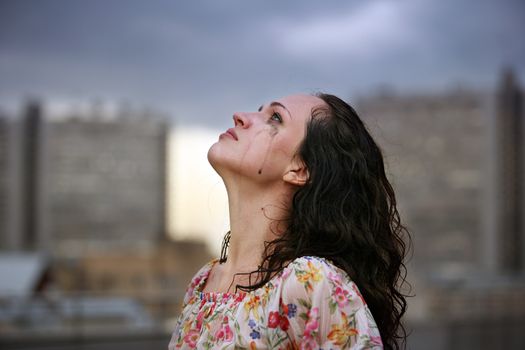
(241, 119)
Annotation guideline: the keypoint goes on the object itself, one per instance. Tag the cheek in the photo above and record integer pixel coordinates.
(276, 159)
(288, 144)
(260, 148)
(266, 155)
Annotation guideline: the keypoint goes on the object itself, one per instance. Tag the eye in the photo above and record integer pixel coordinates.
(276, 117)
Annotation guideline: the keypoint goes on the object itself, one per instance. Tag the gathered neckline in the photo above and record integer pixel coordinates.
(224, 297)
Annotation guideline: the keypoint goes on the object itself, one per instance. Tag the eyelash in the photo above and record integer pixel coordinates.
(280, 119)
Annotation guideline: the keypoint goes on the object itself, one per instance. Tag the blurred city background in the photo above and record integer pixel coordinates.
(107, 109)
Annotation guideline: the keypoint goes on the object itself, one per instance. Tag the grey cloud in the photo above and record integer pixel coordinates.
(200, 61)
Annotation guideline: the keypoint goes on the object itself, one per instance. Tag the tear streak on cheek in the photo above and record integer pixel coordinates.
(272, 132)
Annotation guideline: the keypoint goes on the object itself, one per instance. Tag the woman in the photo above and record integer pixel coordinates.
(315, 250)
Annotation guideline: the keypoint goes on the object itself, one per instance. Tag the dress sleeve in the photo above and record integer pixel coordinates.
(197, 281)
(324, 308)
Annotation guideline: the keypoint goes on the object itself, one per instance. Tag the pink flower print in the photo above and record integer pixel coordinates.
(376, 340)
(341, 296)
(239, 298)
(224, 333)
(309, 343)
(191, 338)
(195, 283)
(200, 317)
(219, 335)
(336, 278)
(354, 287)
(285, 273)
(228, 334)
(311, 324)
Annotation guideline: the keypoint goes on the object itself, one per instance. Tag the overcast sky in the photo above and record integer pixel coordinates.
(199, 61)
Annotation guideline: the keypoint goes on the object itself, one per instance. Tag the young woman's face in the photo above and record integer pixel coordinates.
(262, 144)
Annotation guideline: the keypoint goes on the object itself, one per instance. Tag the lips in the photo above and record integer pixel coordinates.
(232, 133)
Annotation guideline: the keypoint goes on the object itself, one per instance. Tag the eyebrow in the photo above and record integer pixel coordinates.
(279, 104)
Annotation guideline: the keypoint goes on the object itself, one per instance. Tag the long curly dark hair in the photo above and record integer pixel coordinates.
(346, 212)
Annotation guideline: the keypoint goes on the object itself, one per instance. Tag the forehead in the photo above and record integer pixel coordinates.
(301, 104)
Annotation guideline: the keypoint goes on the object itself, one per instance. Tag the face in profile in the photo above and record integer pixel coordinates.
(262, 144)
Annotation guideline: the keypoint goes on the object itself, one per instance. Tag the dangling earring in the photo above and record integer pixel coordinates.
(224, 249)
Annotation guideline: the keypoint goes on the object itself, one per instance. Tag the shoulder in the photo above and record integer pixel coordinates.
(325, 306)
(314, 261)
(198, 279)
(311, 277)
(310, 270)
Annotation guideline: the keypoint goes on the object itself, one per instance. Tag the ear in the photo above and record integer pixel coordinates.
(297, 174)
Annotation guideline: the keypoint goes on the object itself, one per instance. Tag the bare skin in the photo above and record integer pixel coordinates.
(261, 174)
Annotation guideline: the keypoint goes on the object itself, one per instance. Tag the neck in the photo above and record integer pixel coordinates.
(254, 213)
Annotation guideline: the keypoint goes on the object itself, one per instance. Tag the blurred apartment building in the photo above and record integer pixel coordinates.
(457, 161)
(436, 150)
(89, 190)
(83, 182)
(84, 196)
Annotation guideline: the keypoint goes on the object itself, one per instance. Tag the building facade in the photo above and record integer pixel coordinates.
(456, 161)
(435, 149)
(84, 182)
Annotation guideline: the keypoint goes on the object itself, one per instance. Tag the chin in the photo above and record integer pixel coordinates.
(212, 155)
(216, 158)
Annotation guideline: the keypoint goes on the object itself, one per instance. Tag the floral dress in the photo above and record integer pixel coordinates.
(310, 304)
